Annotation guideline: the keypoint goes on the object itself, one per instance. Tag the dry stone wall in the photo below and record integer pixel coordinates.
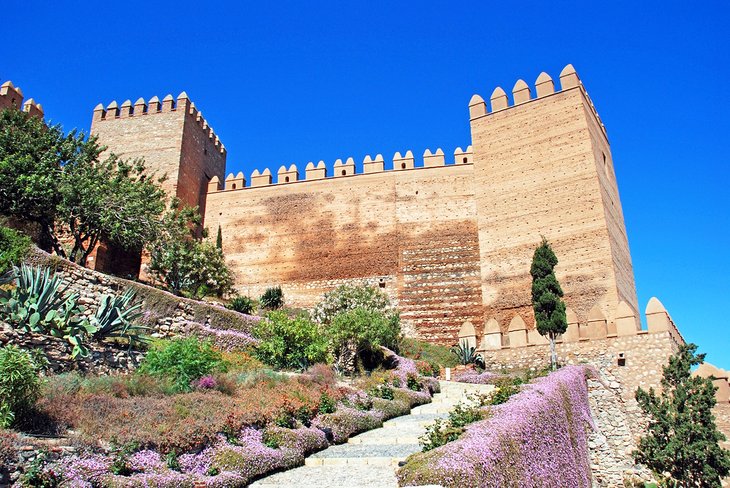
(168, 315)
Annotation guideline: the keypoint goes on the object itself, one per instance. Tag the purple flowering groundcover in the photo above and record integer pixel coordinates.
(539, 438)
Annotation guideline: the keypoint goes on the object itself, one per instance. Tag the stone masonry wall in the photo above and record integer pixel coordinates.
(537, 174)
(412, 232)
(168, 315)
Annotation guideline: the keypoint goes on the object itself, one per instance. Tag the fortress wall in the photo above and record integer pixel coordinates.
(172, 137)
(535, 174)
(622, 265)
(157, 138)
(202, 157)
(413, 230)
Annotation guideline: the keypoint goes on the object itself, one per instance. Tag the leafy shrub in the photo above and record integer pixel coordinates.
(182, 262)
(327, 404)
(348, 297)
(19, 384)
(438, 433)
(286, 342)
(242, 304)
(391, 408)
(182, 361)
(39, 304)
(358, 331)
(434, 354)
(116, 318)
(384, 391)
(413, 383)
(272, 299)
(15, 247)
(466, 354)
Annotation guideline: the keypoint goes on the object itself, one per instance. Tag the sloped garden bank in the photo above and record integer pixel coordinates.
(538, 438)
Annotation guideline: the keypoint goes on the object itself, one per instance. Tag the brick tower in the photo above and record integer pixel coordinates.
(172, 136)
(542, 166)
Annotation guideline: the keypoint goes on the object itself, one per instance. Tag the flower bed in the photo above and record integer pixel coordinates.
(267, 422)
(537, 439)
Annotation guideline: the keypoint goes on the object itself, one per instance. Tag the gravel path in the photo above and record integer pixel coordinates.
(369, 460)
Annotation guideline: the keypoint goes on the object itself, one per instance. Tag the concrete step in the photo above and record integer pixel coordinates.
(359, 461)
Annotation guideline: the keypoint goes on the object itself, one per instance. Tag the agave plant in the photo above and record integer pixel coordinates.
(37, 293)
(39, 303)
(466, 354)
(116, 318)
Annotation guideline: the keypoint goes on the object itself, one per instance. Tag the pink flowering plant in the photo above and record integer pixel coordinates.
(538, 438)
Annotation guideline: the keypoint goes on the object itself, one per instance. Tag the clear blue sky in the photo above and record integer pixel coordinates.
(285, 82)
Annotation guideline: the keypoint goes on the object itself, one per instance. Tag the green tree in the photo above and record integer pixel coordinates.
(31, 155)
(682, 443)
(219, 239)
(58, 181)
(184, 262)
(349, 297)
(111, 200)
(547, 297)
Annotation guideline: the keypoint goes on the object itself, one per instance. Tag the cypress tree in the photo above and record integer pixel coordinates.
(219, 239)
(547, 297)
(682, 441)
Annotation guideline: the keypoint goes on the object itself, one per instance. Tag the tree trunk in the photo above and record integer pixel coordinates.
(553, 354)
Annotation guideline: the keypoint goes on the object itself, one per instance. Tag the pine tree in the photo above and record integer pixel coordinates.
(682, 443)
(547, 297)
(219, 239)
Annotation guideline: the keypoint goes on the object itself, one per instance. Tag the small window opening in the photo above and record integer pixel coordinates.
(381, 284)
(205, 151)
(234, 186)
(402, 165)
(286, 179)
(465, 160)
(416, 192)
(344, 172)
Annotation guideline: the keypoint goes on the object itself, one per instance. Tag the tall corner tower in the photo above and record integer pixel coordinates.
(172, 137)
(543, 167)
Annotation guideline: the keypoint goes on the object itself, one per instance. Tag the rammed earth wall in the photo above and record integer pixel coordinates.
(167, 315)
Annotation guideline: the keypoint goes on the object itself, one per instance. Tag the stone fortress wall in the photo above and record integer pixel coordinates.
(12, 97)
(448, 241)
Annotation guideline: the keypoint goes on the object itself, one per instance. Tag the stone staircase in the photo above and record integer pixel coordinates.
(371, 458)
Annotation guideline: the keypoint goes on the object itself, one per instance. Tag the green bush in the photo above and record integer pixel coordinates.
(272, 299)
(14, 247)
(434, 354)
(354, 333)
(182, 361)
(443, 431)
(19, 384)
(287, 342)
(242, 304)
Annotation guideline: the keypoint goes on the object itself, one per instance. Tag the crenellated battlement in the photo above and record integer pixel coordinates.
(522, 93)
(595, 325)
(341, 168)
(12, 96)
(167, 105)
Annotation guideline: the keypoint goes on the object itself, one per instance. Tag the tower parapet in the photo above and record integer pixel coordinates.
(12, 97)
(174, 139)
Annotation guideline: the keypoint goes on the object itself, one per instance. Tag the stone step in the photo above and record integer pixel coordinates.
(383, 440)
(355, 461)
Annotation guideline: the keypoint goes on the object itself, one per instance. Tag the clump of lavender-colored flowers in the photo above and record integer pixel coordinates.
(223, 339)
(472, 376)
(205, 383)
(536, 439)
(346, 422)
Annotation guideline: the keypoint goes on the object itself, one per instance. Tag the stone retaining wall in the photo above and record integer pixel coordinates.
(168, 315)
(102, 358)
